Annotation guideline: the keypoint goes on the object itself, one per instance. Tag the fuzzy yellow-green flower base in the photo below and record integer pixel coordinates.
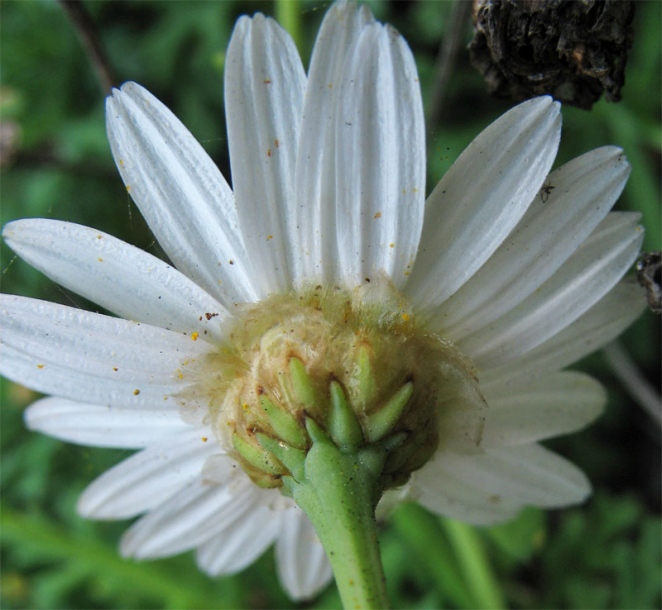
(334, 397)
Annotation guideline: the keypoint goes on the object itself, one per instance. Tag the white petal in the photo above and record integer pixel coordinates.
(380, 159)
(482, 198)
(264, 89)
(523, 474)
(148, 478)
(123, 279)
(316, 160)
(241, 544)
(533, 410)
(196, 513)
(443, 493)
(554, 226)
(303, 567)
(180, 192)
(102, 426)
(92, 358)
(599, 326)
(584, 279)
(462, 411)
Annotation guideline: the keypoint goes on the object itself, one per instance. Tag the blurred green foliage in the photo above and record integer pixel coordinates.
(603, 555)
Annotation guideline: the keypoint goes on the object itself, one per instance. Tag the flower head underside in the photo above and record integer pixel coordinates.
(326, 279)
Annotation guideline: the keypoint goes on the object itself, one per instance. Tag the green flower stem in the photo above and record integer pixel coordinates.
(334, 470)
(422, 532)
(339, 492)
(474, 565)
(288, 14)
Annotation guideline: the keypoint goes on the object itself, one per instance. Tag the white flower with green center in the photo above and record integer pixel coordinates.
(325, 323)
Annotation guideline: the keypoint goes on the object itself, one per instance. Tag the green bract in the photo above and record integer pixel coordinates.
(354, 365)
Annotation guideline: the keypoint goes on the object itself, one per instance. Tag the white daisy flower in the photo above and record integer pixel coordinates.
(325, 256)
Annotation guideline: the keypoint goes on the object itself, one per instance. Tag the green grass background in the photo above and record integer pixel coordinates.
(605, 554)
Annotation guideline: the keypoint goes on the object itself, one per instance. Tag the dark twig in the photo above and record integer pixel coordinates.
(447, 57)
(89, 36)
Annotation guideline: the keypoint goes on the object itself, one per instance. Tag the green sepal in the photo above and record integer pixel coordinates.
(261, 478)
(423, 453)
(316, 433)
(394, 441)
(304, 392)
(380, 423)
(372, 459)
(343, 426)
(404, 451)
(290, 457)
(288, 486)
(283, 424)
(256, 457)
